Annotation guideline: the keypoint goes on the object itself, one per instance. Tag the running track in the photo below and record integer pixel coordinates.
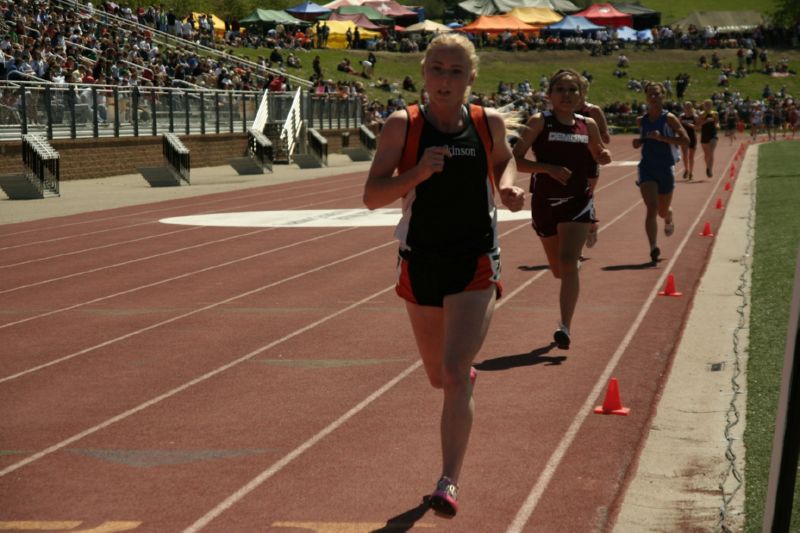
(159, 377)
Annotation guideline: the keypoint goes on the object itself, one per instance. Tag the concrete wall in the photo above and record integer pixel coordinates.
(103, 157)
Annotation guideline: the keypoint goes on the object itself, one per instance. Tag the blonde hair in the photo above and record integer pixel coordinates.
(455, 40)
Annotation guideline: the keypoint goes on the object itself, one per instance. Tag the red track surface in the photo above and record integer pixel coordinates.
(163, 378)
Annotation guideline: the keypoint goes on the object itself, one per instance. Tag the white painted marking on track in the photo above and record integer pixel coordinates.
(623, 163)
(312, 218)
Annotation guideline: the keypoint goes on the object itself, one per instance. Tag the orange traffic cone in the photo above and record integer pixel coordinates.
(706, 231)
(612, 405)
(669, 288)
(719, 203)
(728, 186)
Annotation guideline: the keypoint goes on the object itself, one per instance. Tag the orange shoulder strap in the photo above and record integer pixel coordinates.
(413, 133)
(481, 123)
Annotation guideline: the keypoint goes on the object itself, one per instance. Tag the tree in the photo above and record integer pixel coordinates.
(787, 13)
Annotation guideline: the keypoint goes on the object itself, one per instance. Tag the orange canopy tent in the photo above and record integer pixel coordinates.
(498, 24)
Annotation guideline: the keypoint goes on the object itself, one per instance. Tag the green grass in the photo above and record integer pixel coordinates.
(514, 67)
(777, 234)
(674, 10)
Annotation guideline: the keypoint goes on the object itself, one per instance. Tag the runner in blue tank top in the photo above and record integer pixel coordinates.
(661, 135)
(448, 271)
(567, 147)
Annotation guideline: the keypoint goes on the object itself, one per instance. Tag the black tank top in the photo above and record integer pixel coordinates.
(452, 212)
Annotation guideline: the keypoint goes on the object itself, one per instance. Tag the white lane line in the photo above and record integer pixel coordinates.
(130, 412)
(529, 505)
(200, 309)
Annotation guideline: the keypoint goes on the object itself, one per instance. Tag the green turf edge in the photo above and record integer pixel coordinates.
(777, 234)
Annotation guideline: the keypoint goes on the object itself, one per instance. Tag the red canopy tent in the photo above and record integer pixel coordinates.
(498, 24)
(606, 15)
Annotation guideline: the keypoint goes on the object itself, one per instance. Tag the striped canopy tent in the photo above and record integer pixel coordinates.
(493, 24)
(360, 20)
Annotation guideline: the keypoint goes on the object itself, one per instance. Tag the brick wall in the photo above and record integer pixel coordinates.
(103, 157)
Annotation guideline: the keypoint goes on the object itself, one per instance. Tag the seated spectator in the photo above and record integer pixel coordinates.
(408, 84)
(622, 61)
(276, 57)
(292, 60)
(344, 66)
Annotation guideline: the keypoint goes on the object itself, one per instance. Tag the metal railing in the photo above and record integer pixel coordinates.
(367, 138)
(259, 148)
(318, 145)
(41, 163)
(60, 111)
(177, 156)
(292, 126)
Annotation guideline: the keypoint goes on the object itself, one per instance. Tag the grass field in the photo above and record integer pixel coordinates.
(674, 10)
(514, 67)
(777, 234)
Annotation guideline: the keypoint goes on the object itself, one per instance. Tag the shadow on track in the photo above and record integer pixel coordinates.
(534, 357)
(639, 266)
(404, 521)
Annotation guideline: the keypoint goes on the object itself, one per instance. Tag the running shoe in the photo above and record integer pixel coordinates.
(444, 500)
(561, 336)
(669, 228)
(686, 174)
(591, 239)
(473, 375)
(655, 253)
(708, 172)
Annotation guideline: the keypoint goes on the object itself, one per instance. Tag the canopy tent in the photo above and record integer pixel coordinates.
(390, 8)
(216, 22)
(606, 15)
(723, 21)
(271, 17)
(573, 24)
(308, 11)
(536, 16)
(337, 38)
(360, 20)
(494, 7)
(367, 11)
(626, 33)
(428, 26)
(498, 24)
(643, 17)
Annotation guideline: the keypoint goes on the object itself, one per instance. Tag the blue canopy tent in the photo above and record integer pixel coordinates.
(626, 33)
(308, 11)
(572, 24)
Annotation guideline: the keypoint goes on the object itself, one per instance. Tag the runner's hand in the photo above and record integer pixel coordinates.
(432, 160)
(513, 197)
(560, 174)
